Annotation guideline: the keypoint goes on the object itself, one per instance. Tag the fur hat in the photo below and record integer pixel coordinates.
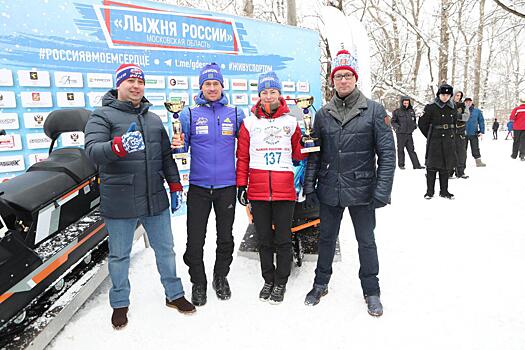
(445, 89)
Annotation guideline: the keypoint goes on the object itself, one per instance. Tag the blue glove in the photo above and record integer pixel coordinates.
(176, 200)
(132, 140)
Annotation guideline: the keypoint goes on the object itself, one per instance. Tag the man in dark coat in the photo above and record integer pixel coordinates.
(438, 123)
(132, 150)
(404, 123)
(495, 127)
(460, 139)
(354, 170)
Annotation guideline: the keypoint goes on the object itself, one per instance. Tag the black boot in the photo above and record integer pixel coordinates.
(198, 294)
(314, 296)
(265, 292)
(277, 295)
(431, 182)
(443, 186)
(375, 308)
(222, 288)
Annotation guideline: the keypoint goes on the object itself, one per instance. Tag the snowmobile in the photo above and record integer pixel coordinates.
(49, 221)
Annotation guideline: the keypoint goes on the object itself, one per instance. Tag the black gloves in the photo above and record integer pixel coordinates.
(312, 201)
(242, 195)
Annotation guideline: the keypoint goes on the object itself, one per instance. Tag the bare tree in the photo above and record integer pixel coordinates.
(508, 9)
(479, 46)
(291, 12)
(443, 42)
(247, 9)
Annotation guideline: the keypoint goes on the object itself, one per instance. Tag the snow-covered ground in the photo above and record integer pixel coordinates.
(451, 274)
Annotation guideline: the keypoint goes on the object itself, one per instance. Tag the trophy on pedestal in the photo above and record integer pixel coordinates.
(175, 105)
(309, 142)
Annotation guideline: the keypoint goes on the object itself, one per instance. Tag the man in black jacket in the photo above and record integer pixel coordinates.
(130, 146)
(404, 123)
(354, 169)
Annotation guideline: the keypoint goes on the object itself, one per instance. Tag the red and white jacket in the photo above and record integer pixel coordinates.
(518, 115)
(265, 149)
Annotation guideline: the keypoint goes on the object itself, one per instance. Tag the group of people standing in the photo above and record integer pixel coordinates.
(354, 169)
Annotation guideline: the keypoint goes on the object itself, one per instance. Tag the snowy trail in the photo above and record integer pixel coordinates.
(451, 274)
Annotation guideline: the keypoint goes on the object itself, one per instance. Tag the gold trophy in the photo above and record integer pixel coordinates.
(309, 142)
(175, 105)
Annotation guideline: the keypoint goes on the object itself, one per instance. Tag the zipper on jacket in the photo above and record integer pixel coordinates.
(150, 209)
(215, 148)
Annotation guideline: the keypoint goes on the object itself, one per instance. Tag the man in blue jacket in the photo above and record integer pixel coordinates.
(209, 130)
(475, 129)
(132, 150)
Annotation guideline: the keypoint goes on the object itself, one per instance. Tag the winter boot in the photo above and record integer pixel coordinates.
(182, 305)
(429, 195)
(119, 319)
(221, 287)
(198, 294)
(265, 292)
(443, 186)
(375, 308)
(431, 182)
(314, 296)
(277, 295)
(479, 163)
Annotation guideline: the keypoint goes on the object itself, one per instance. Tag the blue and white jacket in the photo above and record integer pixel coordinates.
(476, 122)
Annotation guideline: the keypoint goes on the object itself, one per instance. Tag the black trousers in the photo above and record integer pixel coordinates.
(406, 141)
(279, 238)
(200, 201)
(495, 134)
(431, 180)
(364, 220)
(518, 144)
(474, 146)
(461, 152)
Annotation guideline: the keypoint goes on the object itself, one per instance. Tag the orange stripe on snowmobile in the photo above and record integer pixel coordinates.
(78, 188)
(4, 297)
(308, 224)
(58, 262)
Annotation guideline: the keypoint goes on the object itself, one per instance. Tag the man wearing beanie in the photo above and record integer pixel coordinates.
(438, 124)
(475, 129)
(354, 170)
(130, 146)
(209, 131)
(517, 117)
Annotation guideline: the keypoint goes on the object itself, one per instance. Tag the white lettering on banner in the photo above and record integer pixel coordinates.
(204, 33)
(37, 140)
(92, 56)
(6, 77)
(249, 67)
(7, 99)
(9, 121)
(35, 120)
(148, 25)
(12, 163)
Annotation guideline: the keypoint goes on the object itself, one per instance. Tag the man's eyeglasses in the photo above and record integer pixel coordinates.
(347, 76)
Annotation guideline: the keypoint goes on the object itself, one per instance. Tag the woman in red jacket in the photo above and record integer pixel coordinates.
(268, 141)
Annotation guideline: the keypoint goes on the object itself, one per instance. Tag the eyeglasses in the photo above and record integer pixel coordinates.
(347, 76)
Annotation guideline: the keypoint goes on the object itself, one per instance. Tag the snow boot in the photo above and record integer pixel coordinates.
(443, 186)
(198, 294)
(182, 305)
(314, 296)
(277, 295)
(222, 288)
(429, 195)
(119, 319)
(265, 292)
(375, 308)
(446, 195)
(479, 163)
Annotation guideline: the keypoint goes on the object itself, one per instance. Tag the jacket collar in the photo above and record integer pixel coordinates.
(200, 100)
(110, 100)
(259, 113)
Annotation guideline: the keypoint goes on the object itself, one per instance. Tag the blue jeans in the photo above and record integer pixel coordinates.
(121, 232)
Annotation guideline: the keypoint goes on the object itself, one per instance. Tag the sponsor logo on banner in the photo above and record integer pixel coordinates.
(37, 157)
(177, 82)
(37, 140)
(182, 161)
(183, 95)
(254, 99)
(253, 85)
(6, 77)
(73, 138)
(68, 79)
(240, 99)
(288, 85)
(33, 78)
(162, 113)
(156, 98)
(10, 142)
(7, 99)
(9, 121)
(226, 84)
(99, 80)
(155, 82)
(195, 83)
(239, 84)
(95, 98)
(35, 120)
(290, 99)
(12, 163)
(70, 99)
(303, 86)
(36, 99)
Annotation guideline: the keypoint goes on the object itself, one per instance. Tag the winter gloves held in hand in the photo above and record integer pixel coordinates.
(175, 196)
(242, 195)
(131, 141)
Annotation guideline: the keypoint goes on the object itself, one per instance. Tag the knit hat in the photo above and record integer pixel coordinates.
(210, 71)
(445, 89)
(268, 80)
(127, 71)
(344, 60)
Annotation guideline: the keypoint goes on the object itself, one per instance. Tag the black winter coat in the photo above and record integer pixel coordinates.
(404, 119)
(344, 171)
(131, 186)
(438, 124)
